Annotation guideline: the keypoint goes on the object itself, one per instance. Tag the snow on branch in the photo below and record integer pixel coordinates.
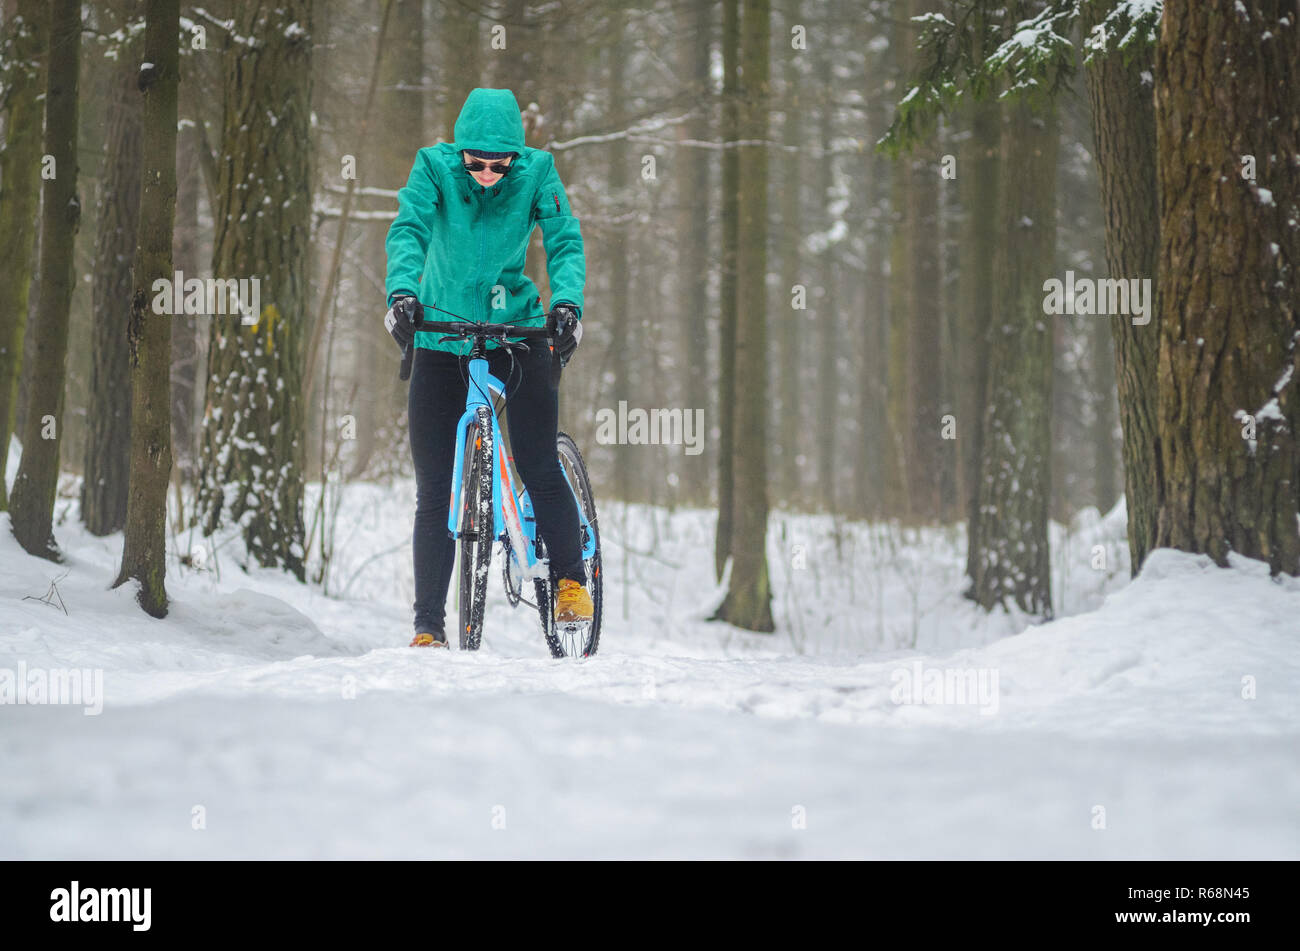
(1131, 25)
(657, 124)
(228, 26)
(1032, 57)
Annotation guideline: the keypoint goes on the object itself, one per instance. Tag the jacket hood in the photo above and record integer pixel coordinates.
(490, 122)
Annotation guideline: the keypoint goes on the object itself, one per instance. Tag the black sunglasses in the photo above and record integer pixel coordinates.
(495, 168)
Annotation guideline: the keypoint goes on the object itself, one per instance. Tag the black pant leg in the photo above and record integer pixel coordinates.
(532, 416)
(435, 402)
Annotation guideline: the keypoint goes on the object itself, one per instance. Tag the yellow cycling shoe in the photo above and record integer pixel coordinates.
(572, 603)
(428, 640)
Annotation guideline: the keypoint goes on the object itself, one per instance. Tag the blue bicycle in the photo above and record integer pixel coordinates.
(485, 506)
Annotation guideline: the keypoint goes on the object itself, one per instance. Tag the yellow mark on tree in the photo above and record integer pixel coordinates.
(266, 320)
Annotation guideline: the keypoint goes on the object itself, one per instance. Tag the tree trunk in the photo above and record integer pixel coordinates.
(748, 602)
(617, 250)
(108, 411)
(873, 337)
(922, 331)
(693, 249)
(1124, 127)
(400, 105)
(793, 323)
(1105, 489)
(144, 551)
(26, 31)
(727, 303)
(1011, 559)
(461, 45)
(1229, 304)
(902, 307)
(32, 505)
(252, 453)
(979, 176)
(827, 305)
(186, 350)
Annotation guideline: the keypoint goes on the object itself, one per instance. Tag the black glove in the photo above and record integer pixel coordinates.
(401, 320)
(568, 331)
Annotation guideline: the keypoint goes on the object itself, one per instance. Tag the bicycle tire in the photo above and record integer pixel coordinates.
(567, 451)
(476, 530)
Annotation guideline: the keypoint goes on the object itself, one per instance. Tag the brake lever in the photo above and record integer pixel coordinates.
(512, 344)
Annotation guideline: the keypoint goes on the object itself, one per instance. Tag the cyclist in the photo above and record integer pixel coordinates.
(458, 244)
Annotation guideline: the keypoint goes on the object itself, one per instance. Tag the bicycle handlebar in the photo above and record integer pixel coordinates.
(465, 329)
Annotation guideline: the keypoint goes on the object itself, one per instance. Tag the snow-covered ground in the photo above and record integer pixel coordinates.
(263, 718)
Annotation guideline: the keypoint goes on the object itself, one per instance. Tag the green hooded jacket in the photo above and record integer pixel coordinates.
(460, 246)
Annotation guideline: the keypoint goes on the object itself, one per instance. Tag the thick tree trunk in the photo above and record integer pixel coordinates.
(1124, 127)
(1105, 487)
(32, 505)
(1011, 561)
(144, 552)
(727, 302)
(26, 31)
(981, 234)
(108, 437)
(748, 602)
(252, 452)
(1228, 363)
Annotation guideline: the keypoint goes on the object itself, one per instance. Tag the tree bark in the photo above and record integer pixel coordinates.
(1011, 559)
(252, 452)
(793, 323)
(873, 339)
(32, 505)
(827, 305)
(1124, 129)
(400, 106)
(108, 437)
(144, 551)
(979, 175)
(462, 45)
(617, 249)
(1105, 488)
(923, 322)
(693, 248)
(186, 348)
(1229, 306)
(727, 302)
(26, 32)
(748, 602)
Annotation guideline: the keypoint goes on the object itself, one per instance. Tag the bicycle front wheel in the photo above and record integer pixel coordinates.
(476, 526)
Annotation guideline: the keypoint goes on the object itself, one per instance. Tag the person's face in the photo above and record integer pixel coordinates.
(486, 177)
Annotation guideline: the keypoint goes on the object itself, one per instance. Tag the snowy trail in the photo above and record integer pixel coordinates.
(302, 729)
(401, 776)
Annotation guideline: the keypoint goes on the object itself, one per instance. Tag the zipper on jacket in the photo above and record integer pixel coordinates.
(482, 254)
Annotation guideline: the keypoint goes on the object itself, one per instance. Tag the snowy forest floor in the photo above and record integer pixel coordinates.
(266, 719)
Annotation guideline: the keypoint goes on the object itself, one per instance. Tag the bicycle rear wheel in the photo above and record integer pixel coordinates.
(566, 640)
(476, 526)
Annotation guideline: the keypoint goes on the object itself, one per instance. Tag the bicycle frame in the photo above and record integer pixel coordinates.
(519, 533)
